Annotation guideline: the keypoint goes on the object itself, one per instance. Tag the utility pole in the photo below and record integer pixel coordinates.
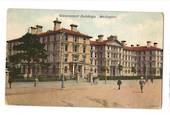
(77, 73)
(62, 60)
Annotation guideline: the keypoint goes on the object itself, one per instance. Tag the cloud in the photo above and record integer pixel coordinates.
(134, 27)
(15, 30)
(149, 30)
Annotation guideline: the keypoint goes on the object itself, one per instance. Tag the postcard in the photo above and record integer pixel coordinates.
(72, 58)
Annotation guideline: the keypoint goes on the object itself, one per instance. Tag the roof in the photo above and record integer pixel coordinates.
(132, 48)
(142, 48)
(14, 40)
(99, 42)
(104, 42)
(63, 30)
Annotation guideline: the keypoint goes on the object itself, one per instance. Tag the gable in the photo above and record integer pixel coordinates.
(114, 43)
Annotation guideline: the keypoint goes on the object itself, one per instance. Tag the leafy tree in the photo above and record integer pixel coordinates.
(161, 72)
(30, 52)
(13, 69)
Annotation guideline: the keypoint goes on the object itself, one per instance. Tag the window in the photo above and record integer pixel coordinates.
(128, 71)
(79, 68)
(107, 70)
(54, 68)
(91, 47)
(55, 38)
(91, 61)
(108, 47)
(65, 37)
(108, 62)
(41, 39)
(44, 40)
(108, 54)
(75, 38)
(51, 38)
(75, 48)
(91, 69)
(65, 57)
(84, 49)
(95, 70)
(66, 47)
(54, 46)
(48, 39)
(84, 58)
(91, 54)
(65, 69)
(84, 40)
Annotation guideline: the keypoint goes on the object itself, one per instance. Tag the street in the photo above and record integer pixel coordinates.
(86, 95)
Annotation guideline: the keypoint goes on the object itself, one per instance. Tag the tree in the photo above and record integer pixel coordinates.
(133, 70)
(30, 52)
(120, 68)
(161, 72)
(12, 67)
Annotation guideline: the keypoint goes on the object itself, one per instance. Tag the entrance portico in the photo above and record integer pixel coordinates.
(78, 69)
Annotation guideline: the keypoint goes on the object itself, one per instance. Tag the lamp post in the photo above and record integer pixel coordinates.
(91, 77)
(62, 60)
(76, 69)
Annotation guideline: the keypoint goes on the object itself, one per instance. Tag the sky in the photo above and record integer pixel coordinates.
(133, 27)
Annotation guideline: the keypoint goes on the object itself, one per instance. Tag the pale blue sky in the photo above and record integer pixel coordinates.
(134, 27)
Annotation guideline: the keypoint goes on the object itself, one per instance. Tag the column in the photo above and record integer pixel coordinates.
(82, 71)
(73, 70)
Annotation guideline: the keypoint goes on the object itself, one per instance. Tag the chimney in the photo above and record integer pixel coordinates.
(123, 42)
(100, 37)
(57, 24)
(39, 29)
(33, 30)
(148, 43)
(132, 45)
(111, 37)
(137, 45)
(73, 27)
(155, 44)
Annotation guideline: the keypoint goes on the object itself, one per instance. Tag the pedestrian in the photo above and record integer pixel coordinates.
(141, 83)
(93, 80)
(119, 82)
(35, 81)
(96, 80)
(10, 81)
(151, 79)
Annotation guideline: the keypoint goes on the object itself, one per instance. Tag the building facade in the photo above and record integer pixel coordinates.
(68, 51)
(71, 54)
(110, 54)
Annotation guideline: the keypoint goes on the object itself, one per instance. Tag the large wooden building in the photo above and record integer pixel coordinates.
(71, 53)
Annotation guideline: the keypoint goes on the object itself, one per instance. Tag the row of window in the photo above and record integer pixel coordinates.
(75, 57)
(53, 38)
(54, 47)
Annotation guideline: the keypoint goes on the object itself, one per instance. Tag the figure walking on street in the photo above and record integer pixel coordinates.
(119, 82)
(10, 82)
(151, 79)
(35, 81)
(141, 83)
